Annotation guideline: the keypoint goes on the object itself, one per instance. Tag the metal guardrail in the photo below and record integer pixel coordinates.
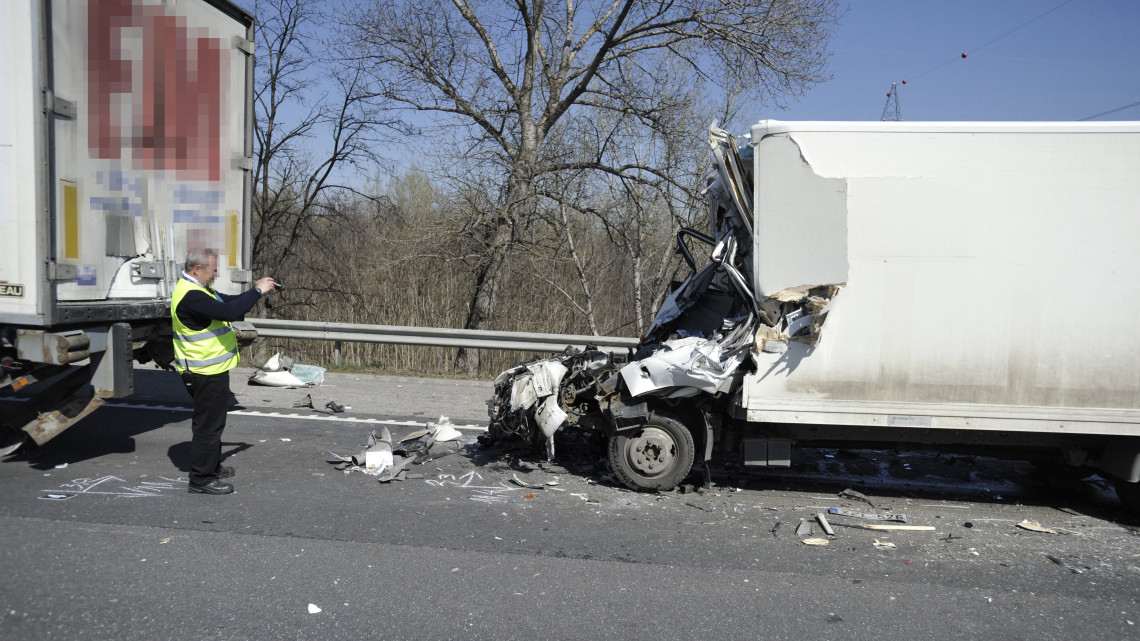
(434, 336)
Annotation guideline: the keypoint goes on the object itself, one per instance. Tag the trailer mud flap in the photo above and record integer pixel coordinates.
(49, 425)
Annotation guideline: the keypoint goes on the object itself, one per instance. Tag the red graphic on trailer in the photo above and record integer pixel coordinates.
(175, 90)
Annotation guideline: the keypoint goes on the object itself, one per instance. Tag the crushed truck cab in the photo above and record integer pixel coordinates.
(961, 286)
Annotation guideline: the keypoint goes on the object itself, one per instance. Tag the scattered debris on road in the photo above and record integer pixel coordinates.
(1061, 563)
(901, 518)
(281, 371)
(824, 524)
(804, 528)
(1034, 526)
(858, 496)
(390, 462)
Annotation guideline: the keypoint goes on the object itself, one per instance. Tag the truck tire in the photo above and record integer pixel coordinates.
(653, 457)
(1129, 495)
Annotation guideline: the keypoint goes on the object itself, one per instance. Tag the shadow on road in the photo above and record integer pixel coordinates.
(110, 430)
(890, 478)
(179, 453)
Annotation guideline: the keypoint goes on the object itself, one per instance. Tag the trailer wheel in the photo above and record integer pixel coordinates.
(1129, 494)
(656, 456)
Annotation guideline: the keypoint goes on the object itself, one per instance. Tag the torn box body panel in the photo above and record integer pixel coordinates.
(684, 367)
(987, 274)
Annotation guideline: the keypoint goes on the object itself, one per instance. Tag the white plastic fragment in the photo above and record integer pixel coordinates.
(1034, 526)
(277, 379)
(444, 431)
(273, 364)
(313, 609)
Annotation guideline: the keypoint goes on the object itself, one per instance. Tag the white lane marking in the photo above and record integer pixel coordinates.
(336, 419)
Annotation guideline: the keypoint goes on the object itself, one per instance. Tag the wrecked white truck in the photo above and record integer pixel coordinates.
(960, 286)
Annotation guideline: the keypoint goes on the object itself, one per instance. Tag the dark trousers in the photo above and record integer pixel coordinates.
(210, 392)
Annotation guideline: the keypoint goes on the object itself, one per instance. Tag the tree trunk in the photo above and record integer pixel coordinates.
(492, 270)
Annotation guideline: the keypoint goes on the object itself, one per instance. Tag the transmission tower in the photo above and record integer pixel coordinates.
(891, 110)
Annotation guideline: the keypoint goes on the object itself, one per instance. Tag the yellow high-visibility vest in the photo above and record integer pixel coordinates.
(209, 351)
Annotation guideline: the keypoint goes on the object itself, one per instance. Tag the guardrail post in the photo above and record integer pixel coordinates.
(336, 353)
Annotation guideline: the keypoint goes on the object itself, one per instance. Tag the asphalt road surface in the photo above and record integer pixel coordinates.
(100, 540)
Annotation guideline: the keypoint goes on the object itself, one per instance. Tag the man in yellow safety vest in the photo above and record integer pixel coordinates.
(205, 350)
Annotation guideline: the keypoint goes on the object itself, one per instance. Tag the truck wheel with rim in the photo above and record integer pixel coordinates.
(655, 456)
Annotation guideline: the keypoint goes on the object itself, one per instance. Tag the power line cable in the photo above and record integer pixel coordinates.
(1022, 26)
(1112, 111)
(990, 42)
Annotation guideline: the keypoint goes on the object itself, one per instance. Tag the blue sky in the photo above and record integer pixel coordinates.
(1080, 60)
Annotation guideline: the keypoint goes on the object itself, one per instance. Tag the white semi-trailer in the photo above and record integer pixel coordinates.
(960, 285)
(125, 140)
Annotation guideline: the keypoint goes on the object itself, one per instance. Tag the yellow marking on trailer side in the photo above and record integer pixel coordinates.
(232, 237)
(70, 220)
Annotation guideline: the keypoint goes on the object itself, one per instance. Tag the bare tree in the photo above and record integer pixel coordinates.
(514, 72)
(314, 121)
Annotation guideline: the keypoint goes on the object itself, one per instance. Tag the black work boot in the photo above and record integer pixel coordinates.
(213, 487)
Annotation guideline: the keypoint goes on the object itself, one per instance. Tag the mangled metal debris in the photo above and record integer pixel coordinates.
(390, 462)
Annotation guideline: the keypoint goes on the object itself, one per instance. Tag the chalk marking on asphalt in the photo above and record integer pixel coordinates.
(89, 486)
(335, 419)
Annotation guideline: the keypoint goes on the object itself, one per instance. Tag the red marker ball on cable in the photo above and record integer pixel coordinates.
(963, 55)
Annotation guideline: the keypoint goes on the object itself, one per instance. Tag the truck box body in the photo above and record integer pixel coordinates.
(988, 274)
(124, 141)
